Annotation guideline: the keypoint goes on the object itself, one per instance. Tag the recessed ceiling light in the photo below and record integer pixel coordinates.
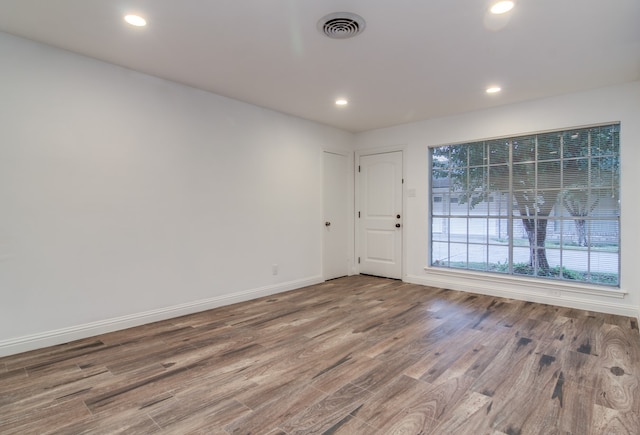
(493, 89)
(501, 7)
(135, 20)
(341, 102)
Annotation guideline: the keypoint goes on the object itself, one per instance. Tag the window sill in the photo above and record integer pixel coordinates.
(530, 284)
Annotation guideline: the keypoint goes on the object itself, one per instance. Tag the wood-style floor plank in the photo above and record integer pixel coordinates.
(356, 355)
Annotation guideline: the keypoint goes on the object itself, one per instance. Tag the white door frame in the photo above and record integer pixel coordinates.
(350, 221)
(356, 241)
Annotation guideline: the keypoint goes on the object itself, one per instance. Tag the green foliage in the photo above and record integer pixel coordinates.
(557, 272)
(563, 273)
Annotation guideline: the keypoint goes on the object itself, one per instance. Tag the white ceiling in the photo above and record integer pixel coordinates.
(417, 59)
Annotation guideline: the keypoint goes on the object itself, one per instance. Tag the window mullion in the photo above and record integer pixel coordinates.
(588, 221)
(468, 196)
(536, 221)
(561, 192)
(510, 208)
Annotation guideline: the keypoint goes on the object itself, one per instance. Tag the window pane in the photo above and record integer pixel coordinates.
(541, 263)
(549, 175)
(440, 205)
(458, 255)
(554, 232)
(575, 143)
(524, 204)
(478, 230)
(439, 159)
(547, 201)
(498, 151)
(499, 178)
(478, 257)
(605, 203)
(523, 149)
(604, 235)
(499, 206)
(458, 229)
(575, 263)
(524, 176)
(440, 181)
(576, 202)
(439, 229)
(612, 279)
(549, 146)
(523, 268)
(603, 262)
(520, 257)
(477, 179)
(604, 172)
(442, 208)
(553, 256)
(498, 259)
(477, 154)
(459, 206)
(480, 203)
(440, 254)
(458, 156)
(575, 173)
(519, 233)
(498, 231)
(458, 179)
(605, 140)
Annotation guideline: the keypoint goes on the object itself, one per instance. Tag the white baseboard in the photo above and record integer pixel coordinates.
(59, 336)
(564, 299)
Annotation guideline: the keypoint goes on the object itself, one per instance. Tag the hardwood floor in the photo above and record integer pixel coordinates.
(357, 355)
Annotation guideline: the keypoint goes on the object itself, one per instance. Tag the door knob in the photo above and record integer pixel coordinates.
(327, 224)
(397, 216)
(397, 225)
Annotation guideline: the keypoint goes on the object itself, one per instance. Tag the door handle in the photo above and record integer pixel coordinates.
(397, 225)
(397, 216)
(327, 224)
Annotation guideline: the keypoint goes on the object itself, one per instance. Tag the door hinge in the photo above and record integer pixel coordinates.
(358, 260)
(358, 214)
(358, 168)
(403, 181)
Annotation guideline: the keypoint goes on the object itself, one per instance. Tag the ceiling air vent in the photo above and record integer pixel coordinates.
(341, 25)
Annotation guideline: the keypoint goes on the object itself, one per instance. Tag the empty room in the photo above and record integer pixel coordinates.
(334, 217)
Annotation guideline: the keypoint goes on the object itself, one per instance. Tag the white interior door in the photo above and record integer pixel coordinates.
(380, 221)
(335, 182)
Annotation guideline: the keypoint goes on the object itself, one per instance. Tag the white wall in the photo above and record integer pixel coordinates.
(125, 198)
(618, 103)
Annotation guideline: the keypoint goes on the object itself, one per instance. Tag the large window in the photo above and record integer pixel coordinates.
(542, 205)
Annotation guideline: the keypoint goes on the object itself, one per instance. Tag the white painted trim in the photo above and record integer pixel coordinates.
(523, 292)
(537, 285)
(65, 335)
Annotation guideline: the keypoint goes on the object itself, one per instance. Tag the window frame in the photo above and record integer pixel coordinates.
(562, 283)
